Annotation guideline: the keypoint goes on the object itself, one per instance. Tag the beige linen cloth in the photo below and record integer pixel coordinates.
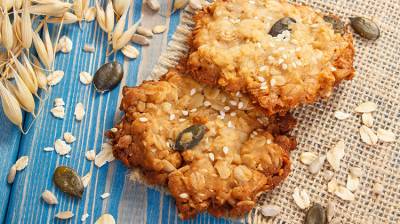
(377, 79)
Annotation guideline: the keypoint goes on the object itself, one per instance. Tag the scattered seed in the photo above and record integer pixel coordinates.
(301, 198)
(21, 163)
(64, 215)
(58, 112)
(330, 211)
(386, 135)
(11, 174)
(211, 156)
(79, 111)
(368, 136)
(55, 77)
(108, 76)
(356, 171)
(378, 188)
(344, 193)
(352, 182)
(140, 39)
(85, 78)
(64, 44)
(328, 175)
(281, 25)
(88, 48)
(367, 119)
(104, 156)
(335, 155)
(68, 181)
(69, 138)
(366, 107)
(341, 115)
(316, 214)
(105, 219)
(144, 31)
(49, 197)
(105, 195)
(86, 179)
(90, 155)
(190, 137)
(58, 102)
(159, 29)
(48, 149)
(316, 165)
(61, 147)
(130, 51)
(308, 157)
(270, 210)
(84, 217)
(365, 28)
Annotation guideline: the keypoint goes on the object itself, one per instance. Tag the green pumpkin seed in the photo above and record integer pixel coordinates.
(316, 215)
(365, 28)
(190, 137)
(281, 25)
(68, 181)
(337, 24)
(108, 76)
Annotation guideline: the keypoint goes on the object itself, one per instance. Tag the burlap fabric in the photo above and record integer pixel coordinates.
(377, 79)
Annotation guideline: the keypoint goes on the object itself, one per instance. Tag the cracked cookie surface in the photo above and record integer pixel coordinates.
(241, 154)
(232, 48)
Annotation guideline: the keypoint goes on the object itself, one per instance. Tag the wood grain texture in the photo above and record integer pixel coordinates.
(130, 202)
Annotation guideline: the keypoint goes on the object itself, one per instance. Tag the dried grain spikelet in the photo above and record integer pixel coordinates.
(144, 31)
(55, 8)
(64, 44)
(31, 72)
(159, 29)
(366, 107)
(85, 78)
(101, 16)
(139, 39)
(55, 77)
(22, 93)
(120, 6)
(16, 28)
(352, 182)
(17, 4)
(79, 112)
(58, 112)
(308, 157)
(367, 119)
(344, 193)
(85, 5)
(49, 197)
(86, 179)
(48, 43)
(40, 75)
(67, 18)
(25, 76)
(64, 215)
(301, 198)
(26, 27)
(154, 4)
(105, 219)
(130, 51)
(368, 136)
(119, 28)
(6, 30)
(41, 50)
(21, 163)
(179, 4)
(126, 36)
(11, 106)
(335, 155)
(11, 174)
(109, 17)
(69, 138)
(386, 135)
(341, 115)
(6, 4)
(90, 14)
(77, 7)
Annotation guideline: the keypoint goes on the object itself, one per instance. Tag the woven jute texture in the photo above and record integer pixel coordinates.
(377, 79)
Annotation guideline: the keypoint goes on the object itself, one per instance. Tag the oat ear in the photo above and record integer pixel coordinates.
(11, 107)
(101, 16)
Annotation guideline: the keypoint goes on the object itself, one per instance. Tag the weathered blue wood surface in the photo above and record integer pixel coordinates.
(129, 202)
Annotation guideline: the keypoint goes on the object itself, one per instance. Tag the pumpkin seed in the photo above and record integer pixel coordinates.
(315, 215)
(190, 137)
(68, 181)
(365, 28)
(337, 24)
(281, 25)
(108, 76)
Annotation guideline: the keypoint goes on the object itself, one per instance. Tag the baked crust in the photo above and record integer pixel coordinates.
(241, 155)
(231, 48)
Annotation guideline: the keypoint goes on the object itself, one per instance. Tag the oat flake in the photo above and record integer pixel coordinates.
(49, 197)
(85, 78)
(69, 138)
(90, 155)
(308, 157)
(86, 179)
(344, 193)
(105, 219)
(341, 115)
(367, 119)
(61, 147)
(104, 156)
(368, 136)
(21, 163)
(386, 135)
(366, 107)
(55, 77)
(84, 217)
(352, 182)
(270, 210)
(159, 29)
(64, 44)
(64, 215)
(378, 188)
(11, 174)
(105, 195)
(301, 198)
(335, 155)
(48, 149)
(58, 102)
(79, 111)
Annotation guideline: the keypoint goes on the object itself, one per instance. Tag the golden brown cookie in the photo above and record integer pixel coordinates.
(282, 54)
(215, 151)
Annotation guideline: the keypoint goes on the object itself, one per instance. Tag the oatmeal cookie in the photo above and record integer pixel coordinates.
(215, 151)
(282, 54)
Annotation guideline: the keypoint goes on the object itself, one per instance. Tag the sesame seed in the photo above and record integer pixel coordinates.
(182, 119)
(172, 117)
(233, 114)
(207, 103)
(226, 108)
(284, 66)
(143, 119)
(184, 195)
(238, 94)
(193, 110)
(211, 155)
(262, 69)
(185, 112)
(225, 149)
(192, 91)
(260, 78)
(273, 82)
(240, 105)
(233, 103)
(269, 141)
(230, 124)
(222, 113)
